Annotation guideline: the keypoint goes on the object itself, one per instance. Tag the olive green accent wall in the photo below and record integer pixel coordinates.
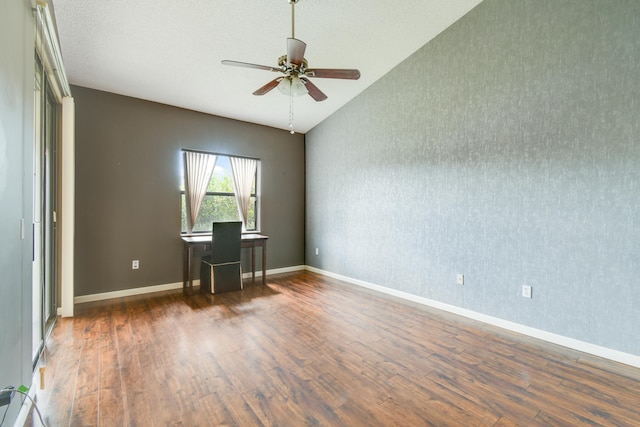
(128, 172)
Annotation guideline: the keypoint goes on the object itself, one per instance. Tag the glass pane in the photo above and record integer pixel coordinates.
(251, 216)
(216, 208)
(222, 178)
(183, 215)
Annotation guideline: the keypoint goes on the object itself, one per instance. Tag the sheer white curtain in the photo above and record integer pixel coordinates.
(244, 171)
(198, 168)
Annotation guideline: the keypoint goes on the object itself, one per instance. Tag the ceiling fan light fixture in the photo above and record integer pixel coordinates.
(292, 86)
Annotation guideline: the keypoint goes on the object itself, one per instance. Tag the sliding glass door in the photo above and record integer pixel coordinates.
(51, 121)
(45, 190)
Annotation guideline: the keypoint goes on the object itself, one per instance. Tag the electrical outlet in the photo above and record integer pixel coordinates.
(135, 264)
(460, 279)
(526, 291)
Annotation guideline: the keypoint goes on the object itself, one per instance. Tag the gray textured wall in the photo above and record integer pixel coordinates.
(507, 149)
(128, 166)
(16, 196)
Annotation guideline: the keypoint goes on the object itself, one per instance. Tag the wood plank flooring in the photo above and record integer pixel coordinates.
(308, 350)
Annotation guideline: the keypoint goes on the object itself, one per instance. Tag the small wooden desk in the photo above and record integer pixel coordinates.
(203, 242)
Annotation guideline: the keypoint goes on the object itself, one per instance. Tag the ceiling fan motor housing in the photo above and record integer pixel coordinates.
(299, 69)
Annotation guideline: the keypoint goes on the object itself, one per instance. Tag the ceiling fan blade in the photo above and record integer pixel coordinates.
(266, 88)
(333, 73)
(295, 51)
(313, 90)
(247, 65)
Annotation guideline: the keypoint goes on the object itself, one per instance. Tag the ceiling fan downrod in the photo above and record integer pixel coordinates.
(293, 17)
(293, 36)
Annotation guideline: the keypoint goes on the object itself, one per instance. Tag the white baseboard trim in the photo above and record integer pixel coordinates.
(279, 270)
(585, 347)
(127, 292)
(170, 286)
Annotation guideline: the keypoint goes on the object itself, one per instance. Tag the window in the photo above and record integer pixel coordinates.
(219, 202)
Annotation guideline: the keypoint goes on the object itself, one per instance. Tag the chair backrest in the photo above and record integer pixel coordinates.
(226, 242)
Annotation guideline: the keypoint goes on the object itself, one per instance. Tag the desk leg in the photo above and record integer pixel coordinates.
(253, 264)
(189, 258)
(264, 262)
(185, 263)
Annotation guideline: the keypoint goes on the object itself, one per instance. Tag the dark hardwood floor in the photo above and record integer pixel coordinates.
(307, 350)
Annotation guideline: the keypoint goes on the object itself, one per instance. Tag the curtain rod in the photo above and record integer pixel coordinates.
(219, 154)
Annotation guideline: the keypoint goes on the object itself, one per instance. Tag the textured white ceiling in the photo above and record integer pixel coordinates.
(169, 51)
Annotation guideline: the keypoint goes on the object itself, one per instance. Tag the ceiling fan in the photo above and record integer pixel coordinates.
(295, 68)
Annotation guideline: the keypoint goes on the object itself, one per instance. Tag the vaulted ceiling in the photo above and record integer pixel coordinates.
(169, 51)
